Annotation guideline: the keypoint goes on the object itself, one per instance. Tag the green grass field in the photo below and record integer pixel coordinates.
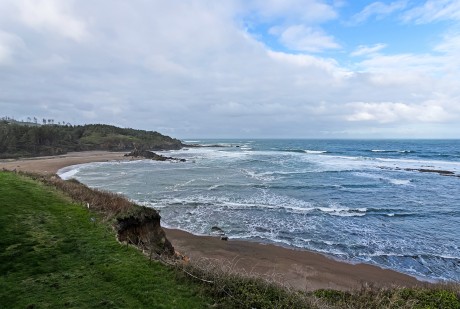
(52, 255)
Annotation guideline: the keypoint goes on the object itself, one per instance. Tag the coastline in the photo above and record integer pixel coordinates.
(52, 164)
(299, 269)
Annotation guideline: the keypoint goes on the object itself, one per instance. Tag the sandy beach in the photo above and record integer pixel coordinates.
(51, 164)
(299, 269)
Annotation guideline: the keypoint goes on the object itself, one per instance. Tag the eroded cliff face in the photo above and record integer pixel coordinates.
(143, 230)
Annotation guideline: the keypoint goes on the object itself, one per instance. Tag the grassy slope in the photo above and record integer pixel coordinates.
(53, 256)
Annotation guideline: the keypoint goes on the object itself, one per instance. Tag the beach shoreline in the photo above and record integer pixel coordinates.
(296, 268)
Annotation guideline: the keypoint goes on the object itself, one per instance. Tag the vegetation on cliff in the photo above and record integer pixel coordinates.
(19, 140)
(55, 253)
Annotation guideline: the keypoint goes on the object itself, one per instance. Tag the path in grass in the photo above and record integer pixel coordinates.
(53, 256)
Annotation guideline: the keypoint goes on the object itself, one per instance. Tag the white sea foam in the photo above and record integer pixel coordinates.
(315, 151)
(345, 212)
(213, 187)
(264, 176)
(400, 182)
(68, 174)
(398, 151)
(69, 171)
(273, 203)
(394, 181)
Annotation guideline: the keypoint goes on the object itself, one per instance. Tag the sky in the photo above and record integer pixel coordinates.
(236, 68)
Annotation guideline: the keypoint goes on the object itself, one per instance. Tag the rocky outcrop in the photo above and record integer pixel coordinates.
(423, 170)
(151, 155)
(427, 170)
(143, 230)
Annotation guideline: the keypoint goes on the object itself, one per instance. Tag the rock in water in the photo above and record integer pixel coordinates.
(217, 230)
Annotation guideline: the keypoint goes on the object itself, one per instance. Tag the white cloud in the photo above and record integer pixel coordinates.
(326, 66)
(434, 10)
(450, 43)
(296, 23)
(192, 68)
(305, 11)
(9, 45)
(307, 39)
(54, 16)
(404, 63)
(364, 50)
(389, 112)
(379, 10)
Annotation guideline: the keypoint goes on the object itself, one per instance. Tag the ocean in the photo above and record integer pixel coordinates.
(390, 203)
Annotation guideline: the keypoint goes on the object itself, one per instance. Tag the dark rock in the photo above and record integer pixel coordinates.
(151, 155)
(423, 170)
(143, 230)
(426, 170)
(224, 238)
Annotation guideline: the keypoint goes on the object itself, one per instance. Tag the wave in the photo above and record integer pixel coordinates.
(343, 211)
(315, 151)
(69, 172)
(213, 187)
(394, 181)
(292, 150)
(274, 203)
(309, 151)
(264, 176)
(392, 151)
(438, 266)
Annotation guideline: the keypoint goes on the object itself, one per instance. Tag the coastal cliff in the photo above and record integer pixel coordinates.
(143, 230)
(134, 224)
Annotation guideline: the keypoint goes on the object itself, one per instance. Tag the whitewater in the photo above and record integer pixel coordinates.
(391, 203)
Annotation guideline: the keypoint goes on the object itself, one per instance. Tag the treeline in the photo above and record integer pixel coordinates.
(18, 140)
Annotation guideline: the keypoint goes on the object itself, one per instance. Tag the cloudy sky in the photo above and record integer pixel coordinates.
(236, 68)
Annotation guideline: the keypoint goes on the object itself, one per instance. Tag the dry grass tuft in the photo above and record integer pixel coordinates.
(233, 289)
(109, 205)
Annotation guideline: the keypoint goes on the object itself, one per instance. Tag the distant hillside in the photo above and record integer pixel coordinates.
(19, 140)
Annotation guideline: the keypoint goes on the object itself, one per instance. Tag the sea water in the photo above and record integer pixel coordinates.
(354, 200)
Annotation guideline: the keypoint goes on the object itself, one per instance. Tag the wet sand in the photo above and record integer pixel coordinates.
(299, 269)
(51, 164)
